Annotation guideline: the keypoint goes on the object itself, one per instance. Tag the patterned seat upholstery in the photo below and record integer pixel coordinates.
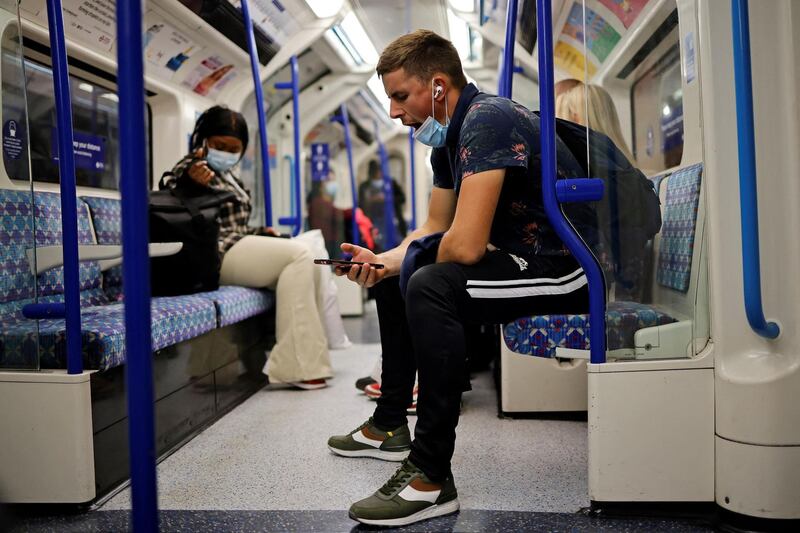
(102, 322)
(233, 304)
(173, 320)
(107, 219)
(540, 335)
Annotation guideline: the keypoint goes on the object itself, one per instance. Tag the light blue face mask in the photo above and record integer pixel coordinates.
(331, 187)
(432, 133)
(220, 160)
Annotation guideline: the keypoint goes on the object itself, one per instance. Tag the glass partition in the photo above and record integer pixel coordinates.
(646, 232)
(19, 337)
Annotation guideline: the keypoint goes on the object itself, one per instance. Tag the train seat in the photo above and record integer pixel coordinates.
(233, 304)
(102, 320)
(634, 330)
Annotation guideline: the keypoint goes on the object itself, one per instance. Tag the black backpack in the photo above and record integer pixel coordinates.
(188, 215)
(628, 216)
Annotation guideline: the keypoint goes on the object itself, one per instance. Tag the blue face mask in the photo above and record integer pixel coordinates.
(221, 161)
(432, 133)
(331, 187)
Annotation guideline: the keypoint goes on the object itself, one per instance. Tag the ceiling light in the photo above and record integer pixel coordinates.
(358, 37)
(325, 8)
(466, 6)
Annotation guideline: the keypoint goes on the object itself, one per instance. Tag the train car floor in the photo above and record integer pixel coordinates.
(266, 467)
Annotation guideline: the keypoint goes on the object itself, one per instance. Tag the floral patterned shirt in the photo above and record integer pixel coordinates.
(489, 132)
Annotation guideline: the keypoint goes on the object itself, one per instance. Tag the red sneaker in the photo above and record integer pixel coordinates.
(373, 391)
(310, 384)
(412, 409)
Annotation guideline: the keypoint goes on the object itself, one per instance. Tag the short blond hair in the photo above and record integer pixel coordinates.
(422, 53)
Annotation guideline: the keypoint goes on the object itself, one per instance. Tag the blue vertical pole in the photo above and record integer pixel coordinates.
(135, 266)
(413, 180)
(388, 196)
(297, 218)
(597, 293)
(353, 190)
(69, 203)
(507, 70)
(262, 117)
(748, 188)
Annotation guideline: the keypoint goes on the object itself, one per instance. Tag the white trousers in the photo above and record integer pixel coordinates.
(285, 266)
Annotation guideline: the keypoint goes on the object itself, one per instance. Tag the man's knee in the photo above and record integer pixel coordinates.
(430, 282)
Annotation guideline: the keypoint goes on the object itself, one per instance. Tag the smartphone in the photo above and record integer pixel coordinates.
(342, 263)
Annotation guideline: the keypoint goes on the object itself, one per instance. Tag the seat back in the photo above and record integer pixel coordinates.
(107, 219)
(19, 229)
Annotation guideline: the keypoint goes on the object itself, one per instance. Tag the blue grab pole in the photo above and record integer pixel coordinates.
(135, 267)
(413, 180)
(388, 196)
(507, 70)
(69, 202)
(597, 296)
(748, 189)
(262, 117)
(294, 86)
(345, 120)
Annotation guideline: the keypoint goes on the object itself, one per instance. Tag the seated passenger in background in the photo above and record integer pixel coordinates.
(592, 106)
(571, 105)
(498, 259)
(253, 257)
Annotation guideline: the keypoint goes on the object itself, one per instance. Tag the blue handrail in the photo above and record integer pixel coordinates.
(290, 220)
(597, 293)
(134, 190)
(69, 202)
(413, 180)
(748, 190)
(344, 120)
(507, 69)
(388, 196)
(262, 117)
(294, 86)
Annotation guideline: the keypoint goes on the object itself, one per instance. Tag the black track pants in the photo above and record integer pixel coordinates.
(426, 333)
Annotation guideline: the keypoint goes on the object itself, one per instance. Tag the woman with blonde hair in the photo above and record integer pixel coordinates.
(602, 114)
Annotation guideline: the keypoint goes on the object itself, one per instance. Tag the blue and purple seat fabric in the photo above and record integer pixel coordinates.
(28, 220)
(540, 335)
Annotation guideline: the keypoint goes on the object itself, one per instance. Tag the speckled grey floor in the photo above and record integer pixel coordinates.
(270, 454)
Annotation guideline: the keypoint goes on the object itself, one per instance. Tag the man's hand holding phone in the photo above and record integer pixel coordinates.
(365, 275)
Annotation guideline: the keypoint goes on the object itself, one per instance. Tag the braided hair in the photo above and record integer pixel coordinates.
(219, 120)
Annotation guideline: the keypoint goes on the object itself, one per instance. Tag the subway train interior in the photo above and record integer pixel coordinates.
(172, 358)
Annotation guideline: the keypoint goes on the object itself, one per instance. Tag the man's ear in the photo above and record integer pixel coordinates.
(440, 86)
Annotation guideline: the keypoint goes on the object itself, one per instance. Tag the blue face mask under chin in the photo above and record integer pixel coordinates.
(432, 133)
(220, 160)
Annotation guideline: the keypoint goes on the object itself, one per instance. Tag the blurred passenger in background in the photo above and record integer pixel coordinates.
(590, 105)
(253, 257)
(371, 199)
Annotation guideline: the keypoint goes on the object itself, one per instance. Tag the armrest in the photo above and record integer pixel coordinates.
(109, 255)
(157, 249)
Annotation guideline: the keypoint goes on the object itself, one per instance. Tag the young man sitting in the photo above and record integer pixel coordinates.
(498, 259)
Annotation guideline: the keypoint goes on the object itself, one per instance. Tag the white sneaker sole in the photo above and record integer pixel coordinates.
(375, 454)
(430, 512)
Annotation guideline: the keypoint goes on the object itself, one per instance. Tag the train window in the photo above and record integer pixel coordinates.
(95, 119)
(657, 111)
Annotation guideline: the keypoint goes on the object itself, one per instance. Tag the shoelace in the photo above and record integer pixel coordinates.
(362, 426)
(399, 478)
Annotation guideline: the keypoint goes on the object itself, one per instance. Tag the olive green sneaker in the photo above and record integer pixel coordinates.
(408, 497)
(369, 441)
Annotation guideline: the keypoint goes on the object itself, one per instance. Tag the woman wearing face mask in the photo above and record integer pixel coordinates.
(251, 258)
